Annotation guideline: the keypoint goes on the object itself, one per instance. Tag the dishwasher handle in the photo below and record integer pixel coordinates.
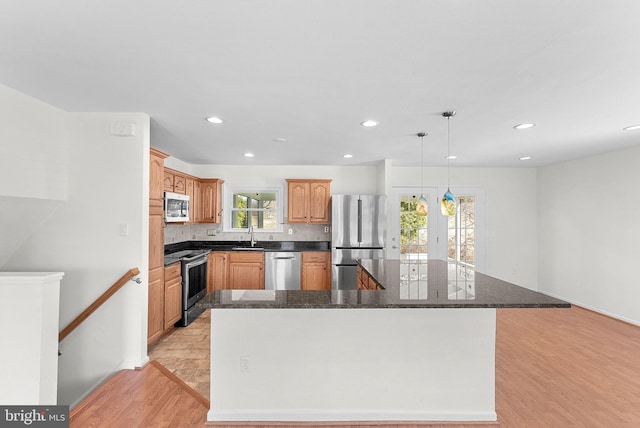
(283, 258)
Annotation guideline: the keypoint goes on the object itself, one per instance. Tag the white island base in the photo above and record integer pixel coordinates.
(353, 364)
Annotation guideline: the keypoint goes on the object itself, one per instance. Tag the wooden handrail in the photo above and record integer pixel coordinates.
(97, 303)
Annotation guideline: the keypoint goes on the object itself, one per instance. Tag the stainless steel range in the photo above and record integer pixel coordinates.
(194, 283)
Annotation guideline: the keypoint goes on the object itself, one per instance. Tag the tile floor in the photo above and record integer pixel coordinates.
(185, 352)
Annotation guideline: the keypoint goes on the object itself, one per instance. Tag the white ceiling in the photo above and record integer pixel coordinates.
(311, 71)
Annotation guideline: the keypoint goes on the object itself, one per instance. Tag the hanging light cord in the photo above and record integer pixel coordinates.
(448, 153)
(422, 165)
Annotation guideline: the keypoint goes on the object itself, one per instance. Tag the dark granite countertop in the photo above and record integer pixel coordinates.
(417, 284)
(229, 245)
(175, 252)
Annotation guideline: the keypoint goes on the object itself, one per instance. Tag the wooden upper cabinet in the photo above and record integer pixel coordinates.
(319, 202)
(308, 201)
(156, 176)
(298, 198)
(179, 184)
(168, 181)
(211, 200)
(175, 181)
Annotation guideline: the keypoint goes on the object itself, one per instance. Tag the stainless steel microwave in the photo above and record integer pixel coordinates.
(176, 207)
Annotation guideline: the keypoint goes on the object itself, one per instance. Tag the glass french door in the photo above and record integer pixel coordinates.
(460, 238)
(413, 235)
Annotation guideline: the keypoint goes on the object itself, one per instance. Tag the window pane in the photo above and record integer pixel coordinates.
(461, 231)
(257, 209)
(413, 229)
(257, 200)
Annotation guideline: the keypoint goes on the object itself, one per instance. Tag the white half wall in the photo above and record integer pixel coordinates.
(352, 364)
(589, 226)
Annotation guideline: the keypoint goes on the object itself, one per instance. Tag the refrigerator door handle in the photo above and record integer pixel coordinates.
(359, 220)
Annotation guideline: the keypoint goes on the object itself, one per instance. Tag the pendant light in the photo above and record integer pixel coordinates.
(448, 204)
(422, 207)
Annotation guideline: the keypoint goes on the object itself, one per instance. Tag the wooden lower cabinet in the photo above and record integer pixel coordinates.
(172, 295)
(365, 282)
(246, 270)
(218, 271)
(165, 301)
(155, 326)
(316, 270)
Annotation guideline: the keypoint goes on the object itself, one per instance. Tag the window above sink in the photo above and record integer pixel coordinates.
(257, 206)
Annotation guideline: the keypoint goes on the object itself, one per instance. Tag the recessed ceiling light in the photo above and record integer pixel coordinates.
(525, 158)
(248, 155)
(451, 157)
(347, 156)
(525, 126)
(631, 128)
(369, 123)
(280, 140)
(214, 119)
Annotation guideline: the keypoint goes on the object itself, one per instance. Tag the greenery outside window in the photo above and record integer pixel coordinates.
(260, 207)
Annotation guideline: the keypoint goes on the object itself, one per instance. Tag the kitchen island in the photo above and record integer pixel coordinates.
(422, 348)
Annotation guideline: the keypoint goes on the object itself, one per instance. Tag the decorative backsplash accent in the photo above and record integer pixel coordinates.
(174, 233)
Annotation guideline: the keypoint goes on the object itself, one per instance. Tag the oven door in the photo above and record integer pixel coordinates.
(194, 280)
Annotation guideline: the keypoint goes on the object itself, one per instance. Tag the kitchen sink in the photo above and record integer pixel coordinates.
(248, 249)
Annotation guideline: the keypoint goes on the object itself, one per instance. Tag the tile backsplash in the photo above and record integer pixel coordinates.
(174, 233)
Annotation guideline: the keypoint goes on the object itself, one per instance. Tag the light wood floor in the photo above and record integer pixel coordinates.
(554, 368)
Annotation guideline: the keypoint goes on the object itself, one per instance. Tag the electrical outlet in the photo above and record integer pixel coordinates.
(290, 231)
(244, 364)
(326, 229)
(211, 232)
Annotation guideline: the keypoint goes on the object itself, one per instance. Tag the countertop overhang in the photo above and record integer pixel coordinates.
(419, 284)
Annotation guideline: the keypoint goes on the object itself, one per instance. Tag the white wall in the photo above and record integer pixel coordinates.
(106, 186)
(33, 157)
(511, 214)
(589, 222)
(346, 180)
(33, 150)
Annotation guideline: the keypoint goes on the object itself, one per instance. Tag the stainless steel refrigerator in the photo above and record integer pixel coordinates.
(358, 225)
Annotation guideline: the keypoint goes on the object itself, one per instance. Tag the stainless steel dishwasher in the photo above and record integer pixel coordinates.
(281, 270)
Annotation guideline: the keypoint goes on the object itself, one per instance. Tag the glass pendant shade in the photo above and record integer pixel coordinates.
(421, 206)
(448, 204)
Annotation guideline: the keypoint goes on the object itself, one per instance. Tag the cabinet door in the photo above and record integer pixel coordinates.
(155, 322)
(246, 276)
(196, 204)
(172, 302)
(180, 184)
(211, 192)
(316, 271)
(156, 180)
(156, 237)
(218, 268)
(319, 200)
(168, 181)
(298, 201)
(246, 270)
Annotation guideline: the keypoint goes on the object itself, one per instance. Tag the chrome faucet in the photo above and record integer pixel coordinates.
(253, 240)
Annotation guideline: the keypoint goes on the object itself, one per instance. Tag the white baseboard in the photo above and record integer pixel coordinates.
(594, 309)
(342, 416)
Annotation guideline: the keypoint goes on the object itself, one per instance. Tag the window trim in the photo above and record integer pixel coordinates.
(230, 189)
